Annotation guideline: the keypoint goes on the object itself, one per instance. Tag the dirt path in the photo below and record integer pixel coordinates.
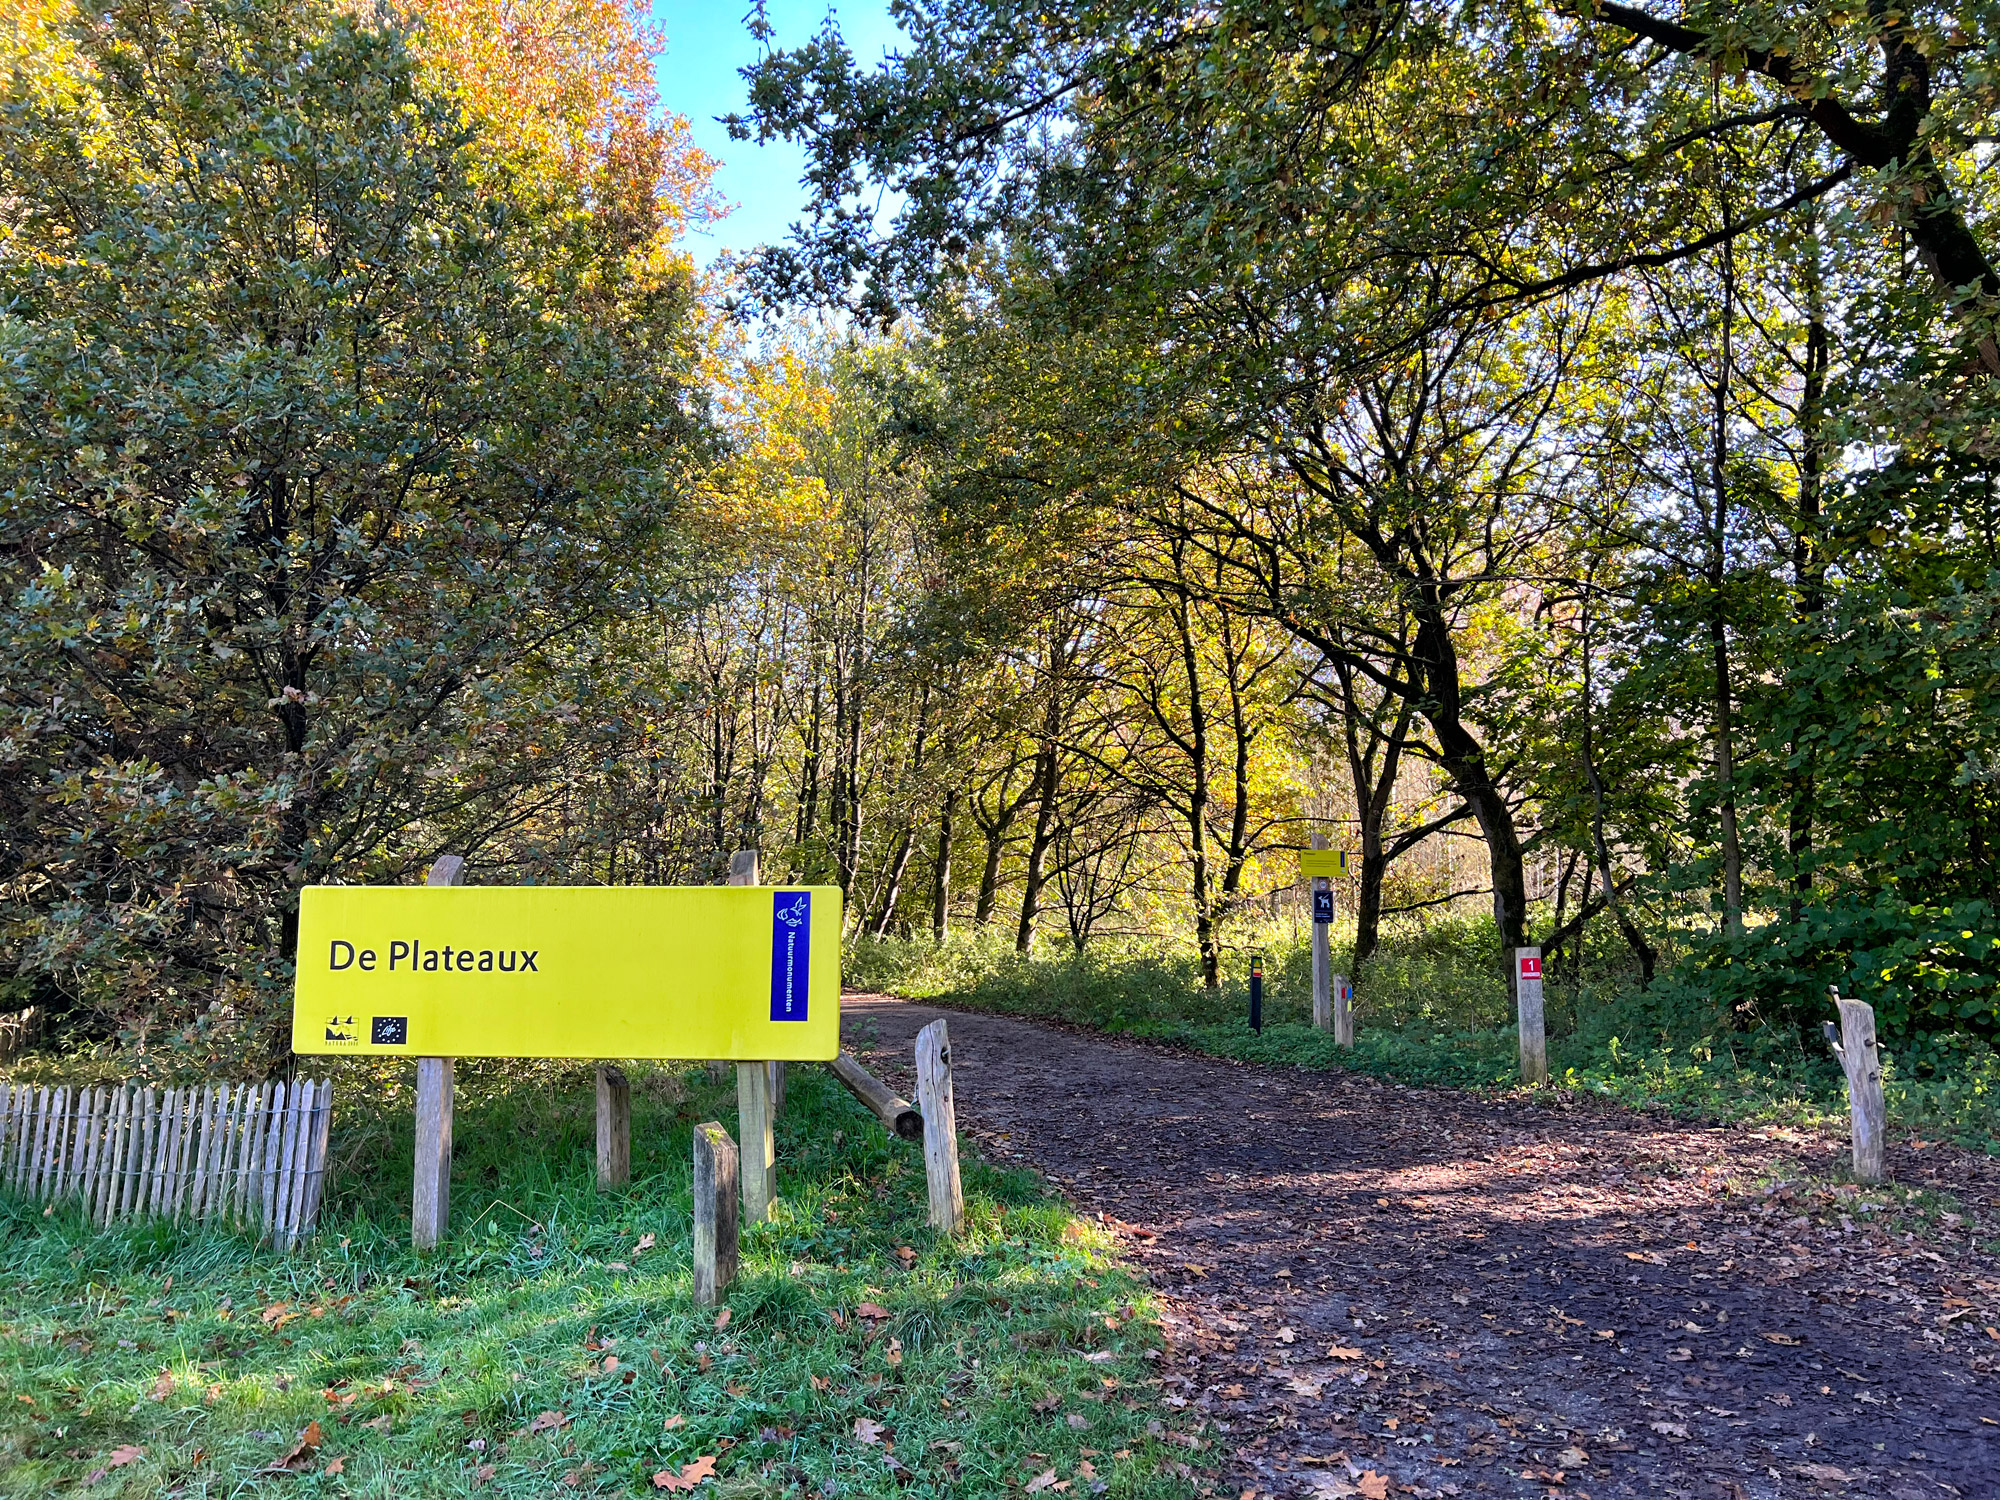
(1481, 1297)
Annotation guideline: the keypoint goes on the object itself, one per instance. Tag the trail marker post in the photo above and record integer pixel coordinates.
(1322, 962)
(1257, 994)
(1330, 993)
(1528, 1014)
(1861, 1059)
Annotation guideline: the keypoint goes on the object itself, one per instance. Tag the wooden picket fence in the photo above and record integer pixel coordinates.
(252, 1155)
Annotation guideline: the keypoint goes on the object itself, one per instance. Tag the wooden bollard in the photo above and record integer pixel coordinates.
(934, 1098)
(614, 1128)
(430, 1191)
(1861, 1060)
(1528, 1013)
(757, 1155)
(1343, 1011)
(715, 1187)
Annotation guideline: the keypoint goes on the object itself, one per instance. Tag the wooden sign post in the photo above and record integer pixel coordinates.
(934, 1098)
(1322, 961)
(1861, 1060)
(600, 972)
(1528, 1013)
(614, 1128)
(430, 1193)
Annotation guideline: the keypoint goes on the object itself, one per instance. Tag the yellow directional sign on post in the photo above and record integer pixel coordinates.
(1329, 862)
(744, 972)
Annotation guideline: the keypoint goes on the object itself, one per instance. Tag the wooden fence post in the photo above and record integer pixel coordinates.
(1861, 1060)
(614, 1128)
(1322, 962)
(1343, 1011)
(430, 1193)
(715, 1212)
(934, 1098)
(1528, 1011)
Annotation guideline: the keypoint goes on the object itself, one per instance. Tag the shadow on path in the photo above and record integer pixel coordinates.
(1482, 1296)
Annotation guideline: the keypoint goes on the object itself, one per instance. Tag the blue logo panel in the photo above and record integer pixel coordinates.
(791, 954)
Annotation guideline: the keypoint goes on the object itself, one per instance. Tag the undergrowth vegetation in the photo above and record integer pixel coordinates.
(551, 1346)
(1431, 1007)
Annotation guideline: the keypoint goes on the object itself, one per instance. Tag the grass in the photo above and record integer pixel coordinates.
(1432, 1008)
(546, 1349)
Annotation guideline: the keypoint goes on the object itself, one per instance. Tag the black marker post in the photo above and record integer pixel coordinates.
(1257, 994)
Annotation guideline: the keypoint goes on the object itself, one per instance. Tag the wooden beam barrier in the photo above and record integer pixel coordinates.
(430, 1192)
(1861, 1059)
(898, 1116)
(940, 1128)
(614, 1128)
(715, 1212)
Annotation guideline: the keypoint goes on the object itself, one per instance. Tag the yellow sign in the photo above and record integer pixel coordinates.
(1324, 862)
(743, 972)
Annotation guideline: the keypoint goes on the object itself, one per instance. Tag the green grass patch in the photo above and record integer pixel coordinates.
(549, 1349)
(1432, 1008)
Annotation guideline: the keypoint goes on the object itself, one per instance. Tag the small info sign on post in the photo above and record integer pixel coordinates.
(750, 973)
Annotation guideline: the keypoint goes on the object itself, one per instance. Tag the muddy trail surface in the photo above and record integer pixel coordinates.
(1467, 1295)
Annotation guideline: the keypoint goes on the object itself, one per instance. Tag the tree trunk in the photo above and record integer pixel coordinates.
(1038, 848)
(941, 872)
(1718, 624)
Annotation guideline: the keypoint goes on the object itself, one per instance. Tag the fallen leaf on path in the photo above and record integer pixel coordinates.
(1778, 1338)
(335, 1466)
(1675, 1430)
(1374, 1486)
(1820, 1471)
(642, 1245)
(672, 1422)
(690, 1475)
(1045, 1480)
(1340, 1351)
(1100, 1357)
(722, 1319)
(1287, 1335)
(300, 1456)
(1650, 1257)
(1304, 1387)
(1572, 1458)
(866, 1431)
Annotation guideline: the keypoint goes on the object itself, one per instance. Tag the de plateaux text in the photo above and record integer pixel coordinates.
(410, 957)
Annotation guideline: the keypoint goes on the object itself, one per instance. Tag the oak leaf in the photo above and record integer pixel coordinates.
(1045, 1480)
(301, 1454)
(690, 1475)
(867, 1431)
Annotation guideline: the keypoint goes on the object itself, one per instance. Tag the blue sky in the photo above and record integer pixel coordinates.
(706, 44)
